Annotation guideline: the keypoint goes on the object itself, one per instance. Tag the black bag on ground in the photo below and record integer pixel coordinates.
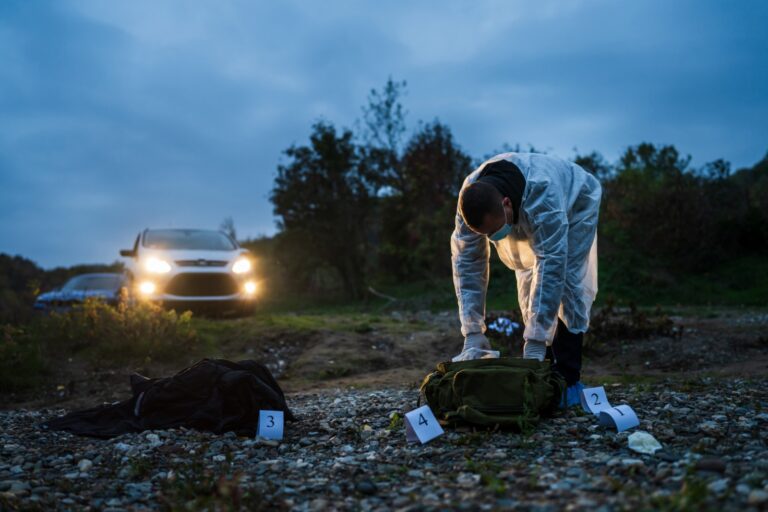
(212, 395)
(509, 392)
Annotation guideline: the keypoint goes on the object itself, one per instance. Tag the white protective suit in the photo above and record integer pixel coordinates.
(552, 249)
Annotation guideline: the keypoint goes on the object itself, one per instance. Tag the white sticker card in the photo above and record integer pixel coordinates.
(622, 417)
(270, 425)
(594, 400)
(421, 425)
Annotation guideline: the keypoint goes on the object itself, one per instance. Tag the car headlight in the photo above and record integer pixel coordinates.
(147, 288)
(250, 287)
(157, 266)
(241, 266)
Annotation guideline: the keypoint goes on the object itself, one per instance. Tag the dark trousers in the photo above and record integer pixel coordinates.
(565, 353)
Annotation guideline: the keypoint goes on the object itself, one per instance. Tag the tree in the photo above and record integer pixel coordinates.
(228, 226)
(382, 135)
(595, 164)
(321, 200)
(655, 207)
(419, 216)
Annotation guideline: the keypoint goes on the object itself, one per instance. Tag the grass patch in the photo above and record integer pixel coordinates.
(690, 497)
(357, 322)
(21, 359)
(489, 478)
(194, 487)
(127, 333)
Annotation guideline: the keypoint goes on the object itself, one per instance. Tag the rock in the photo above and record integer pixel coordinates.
(154, 440)
(713, 464)
(366, 487)
(84, 465)
(757, 497)
(468, 479)
(18, 487)
(123, 447)
(718, 486)
(666, 456)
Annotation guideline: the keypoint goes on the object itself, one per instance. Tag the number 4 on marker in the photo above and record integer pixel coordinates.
(421, 425)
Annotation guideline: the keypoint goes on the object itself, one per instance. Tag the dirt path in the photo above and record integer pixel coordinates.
(723, 343)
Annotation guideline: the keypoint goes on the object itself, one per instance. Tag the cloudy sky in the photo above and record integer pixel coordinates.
(115, 116)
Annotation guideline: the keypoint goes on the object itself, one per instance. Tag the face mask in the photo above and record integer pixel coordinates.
(503, 232)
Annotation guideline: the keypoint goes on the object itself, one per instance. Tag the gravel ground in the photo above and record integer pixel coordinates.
(348, 452)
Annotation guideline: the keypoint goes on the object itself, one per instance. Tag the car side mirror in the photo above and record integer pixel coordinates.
(128, 253)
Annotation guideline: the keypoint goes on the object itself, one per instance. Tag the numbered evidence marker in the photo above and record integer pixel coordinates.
(421, 425)
(270, 425)
(593, 400)
(621, 416)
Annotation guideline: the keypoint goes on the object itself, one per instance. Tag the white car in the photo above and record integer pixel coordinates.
(190, 268)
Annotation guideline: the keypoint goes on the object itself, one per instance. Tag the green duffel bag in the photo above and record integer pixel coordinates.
(509, 392)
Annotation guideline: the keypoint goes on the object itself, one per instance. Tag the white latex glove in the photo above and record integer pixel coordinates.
(476, 346)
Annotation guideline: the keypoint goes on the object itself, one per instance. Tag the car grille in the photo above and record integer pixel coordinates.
(191, 285)
(201, 263)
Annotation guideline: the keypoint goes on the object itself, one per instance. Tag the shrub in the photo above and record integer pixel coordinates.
(128, 332)
(21, 361)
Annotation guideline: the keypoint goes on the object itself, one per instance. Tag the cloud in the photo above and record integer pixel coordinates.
(115, 116)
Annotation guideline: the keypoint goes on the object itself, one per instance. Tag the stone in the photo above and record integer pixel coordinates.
(366, 487)
(757, 497)
(718, 486)
(468, 479)
(713, 464)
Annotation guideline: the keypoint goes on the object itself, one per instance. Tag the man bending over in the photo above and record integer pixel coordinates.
(540, 212)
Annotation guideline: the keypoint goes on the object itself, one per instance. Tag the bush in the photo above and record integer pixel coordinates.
(128, 332)
(21, 361)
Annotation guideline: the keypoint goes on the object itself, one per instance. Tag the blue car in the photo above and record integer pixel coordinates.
(103, 286)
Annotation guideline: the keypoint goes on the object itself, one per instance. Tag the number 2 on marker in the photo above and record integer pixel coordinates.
(597, 399)
(422, 420)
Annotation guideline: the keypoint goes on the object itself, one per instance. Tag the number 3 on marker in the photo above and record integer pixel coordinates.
(270, 424)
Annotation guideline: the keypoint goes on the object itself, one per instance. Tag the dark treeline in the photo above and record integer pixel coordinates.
(22, 279)
(371, 207)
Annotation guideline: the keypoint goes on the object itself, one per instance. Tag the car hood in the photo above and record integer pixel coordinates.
(176, 254)
(80, 295)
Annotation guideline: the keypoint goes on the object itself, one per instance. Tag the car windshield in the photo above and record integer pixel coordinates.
(190, 239)
(94, 282)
